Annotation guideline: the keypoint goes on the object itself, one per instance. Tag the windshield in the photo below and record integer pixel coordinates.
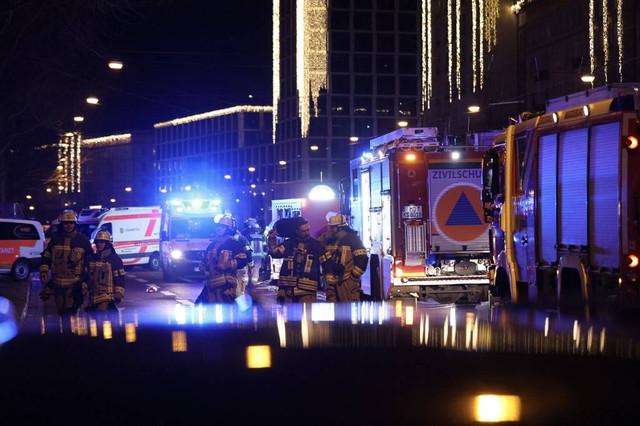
(197, 227)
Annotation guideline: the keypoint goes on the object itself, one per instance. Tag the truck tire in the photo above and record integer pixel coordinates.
(21, 270)
(154, 262)
(376, 278)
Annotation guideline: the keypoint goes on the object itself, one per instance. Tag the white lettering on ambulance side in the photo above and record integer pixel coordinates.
(457, 174)
(6, 250)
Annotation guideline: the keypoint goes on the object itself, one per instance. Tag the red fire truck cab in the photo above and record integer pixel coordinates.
(415, 201)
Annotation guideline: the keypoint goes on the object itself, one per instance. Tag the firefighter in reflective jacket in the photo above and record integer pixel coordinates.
(348, 261)
(223, 258)
(64, 257)
(300, 272)
(103, 281)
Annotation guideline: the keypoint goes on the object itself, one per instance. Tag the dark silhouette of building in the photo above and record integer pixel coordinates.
(226, 154)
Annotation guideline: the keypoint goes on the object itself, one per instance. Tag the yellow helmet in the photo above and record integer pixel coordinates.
(68, 216)
(103, 235)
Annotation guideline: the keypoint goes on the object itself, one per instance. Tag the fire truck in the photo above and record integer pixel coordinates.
(186, 229)
(415, 201)
(561, 191)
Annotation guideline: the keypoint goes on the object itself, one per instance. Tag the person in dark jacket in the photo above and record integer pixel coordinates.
(223, 258)
(348, 259)
(65, 257)
(304, 257)
(103, 281)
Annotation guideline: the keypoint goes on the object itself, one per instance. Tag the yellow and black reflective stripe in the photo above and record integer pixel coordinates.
(360, 252)
(357, 272)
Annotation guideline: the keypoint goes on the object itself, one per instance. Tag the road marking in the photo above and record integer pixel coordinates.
(140, 280)
(189, 280)
(167, 293)
(185, 302)
(131, 275)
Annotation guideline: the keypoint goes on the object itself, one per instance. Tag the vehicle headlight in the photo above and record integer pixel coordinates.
(176, 254)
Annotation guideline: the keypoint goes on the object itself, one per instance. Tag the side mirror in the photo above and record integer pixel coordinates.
(163, 235)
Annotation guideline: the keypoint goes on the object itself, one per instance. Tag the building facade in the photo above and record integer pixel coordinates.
(226, 154)
(344, 71)
(117, 170)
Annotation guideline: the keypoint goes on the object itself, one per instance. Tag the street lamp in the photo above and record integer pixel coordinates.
(228, 177)
(116, 65)
(588, 78)
(128, 189)
(314, 147)
(282, 163)
(48, 189)
(354, 139)
(113, 200)
(92, 100)
(78, 119)
(251, 169)
(28, 197)
(473, 109)
(403, 123)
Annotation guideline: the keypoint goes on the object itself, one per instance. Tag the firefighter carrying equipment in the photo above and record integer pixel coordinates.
(223, 258)
(302, 261)
(103, 235)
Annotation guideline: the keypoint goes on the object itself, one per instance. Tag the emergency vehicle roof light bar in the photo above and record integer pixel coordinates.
(602, 93)
(414, 134)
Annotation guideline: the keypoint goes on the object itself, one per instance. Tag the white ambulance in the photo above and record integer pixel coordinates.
(21, 242)
(136, 234)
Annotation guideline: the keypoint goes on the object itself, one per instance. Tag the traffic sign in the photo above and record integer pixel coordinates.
(458, 213)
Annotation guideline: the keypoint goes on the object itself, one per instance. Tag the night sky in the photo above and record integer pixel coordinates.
(185, 57)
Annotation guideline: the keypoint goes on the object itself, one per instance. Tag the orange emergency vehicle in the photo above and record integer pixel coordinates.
(561, 191)
(21, 242)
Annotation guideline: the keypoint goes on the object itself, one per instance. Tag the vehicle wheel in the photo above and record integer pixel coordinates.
(21, 270)
(154, 262)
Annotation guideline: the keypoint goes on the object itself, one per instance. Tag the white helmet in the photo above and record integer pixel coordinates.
(338, 220)
(68, 216)
(228, 221)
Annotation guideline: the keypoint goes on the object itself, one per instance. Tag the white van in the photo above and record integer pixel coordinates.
(136, 234)
(21, 243)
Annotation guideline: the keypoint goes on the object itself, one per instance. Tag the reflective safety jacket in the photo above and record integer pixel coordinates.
(64, 257)
(348, 257)
(246, 247)
(104, 276)
(224, 257)
(302, 262)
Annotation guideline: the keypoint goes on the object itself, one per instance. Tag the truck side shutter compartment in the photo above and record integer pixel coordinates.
(604, 195)
(572, 187)
(547, 174)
